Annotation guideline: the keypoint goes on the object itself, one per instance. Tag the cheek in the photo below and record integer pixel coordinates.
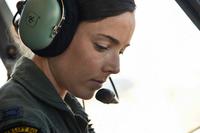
(89, 62)
(81, 63)
(84, 58)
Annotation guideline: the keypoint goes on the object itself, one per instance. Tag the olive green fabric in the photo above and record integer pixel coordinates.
(28, 101)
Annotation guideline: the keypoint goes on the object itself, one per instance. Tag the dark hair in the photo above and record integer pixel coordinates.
(99, 9)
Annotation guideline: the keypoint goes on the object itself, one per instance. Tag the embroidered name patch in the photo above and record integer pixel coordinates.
(21, 129)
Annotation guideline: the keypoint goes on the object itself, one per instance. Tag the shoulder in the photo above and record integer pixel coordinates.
(10, 87)
(21, 119)
(13, 92)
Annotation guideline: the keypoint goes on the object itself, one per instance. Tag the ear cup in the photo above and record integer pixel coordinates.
(48, 26)
(38, 19)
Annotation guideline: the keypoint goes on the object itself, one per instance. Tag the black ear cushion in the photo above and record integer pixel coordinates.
(66, 33)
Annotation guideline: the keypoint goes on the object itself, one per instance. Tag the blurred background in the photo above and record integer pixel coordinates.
(159, 82)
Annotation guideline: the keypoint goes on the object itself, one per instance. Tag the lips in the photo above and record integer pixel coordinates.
(99, 81)
(95, 83)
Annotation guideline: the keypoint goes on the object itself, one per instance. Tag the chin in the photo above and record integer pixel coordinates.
(86, 96)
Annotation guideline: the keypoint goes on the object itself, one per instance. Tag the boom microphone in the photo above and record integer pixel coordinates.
(107, 96)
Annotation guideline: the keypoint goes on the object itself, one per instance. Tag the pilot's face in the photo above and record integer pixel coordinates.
(93, 55)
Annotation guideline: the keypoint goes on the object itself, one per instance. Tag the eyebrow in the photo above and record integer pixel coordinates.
(111, 39)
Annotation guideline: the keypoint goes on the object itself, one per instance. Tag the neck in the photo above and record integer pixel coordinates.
(42, 63)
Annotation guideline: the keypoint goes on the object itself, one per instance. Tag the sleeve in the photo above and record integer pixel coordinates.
(16, 119)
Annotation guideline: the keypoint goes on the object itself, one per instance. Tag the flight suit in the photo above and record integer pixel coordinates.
(30, 104)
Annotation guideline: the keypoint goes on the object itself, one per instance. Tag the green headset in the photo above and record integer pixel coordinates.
(47, 26)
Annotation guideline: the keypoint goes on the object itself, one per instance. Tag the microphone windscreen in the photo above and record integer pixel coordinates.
(106, 96)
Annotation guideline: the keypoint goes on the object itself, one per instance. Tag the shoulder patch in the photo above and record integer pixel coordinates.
(20, 127)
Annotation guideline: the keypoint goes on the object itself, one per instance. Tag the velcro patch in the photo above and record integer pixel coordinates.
(11, 113)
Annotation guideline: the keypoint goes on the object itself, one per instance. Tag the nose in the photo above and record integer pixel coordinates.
(112, 65)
